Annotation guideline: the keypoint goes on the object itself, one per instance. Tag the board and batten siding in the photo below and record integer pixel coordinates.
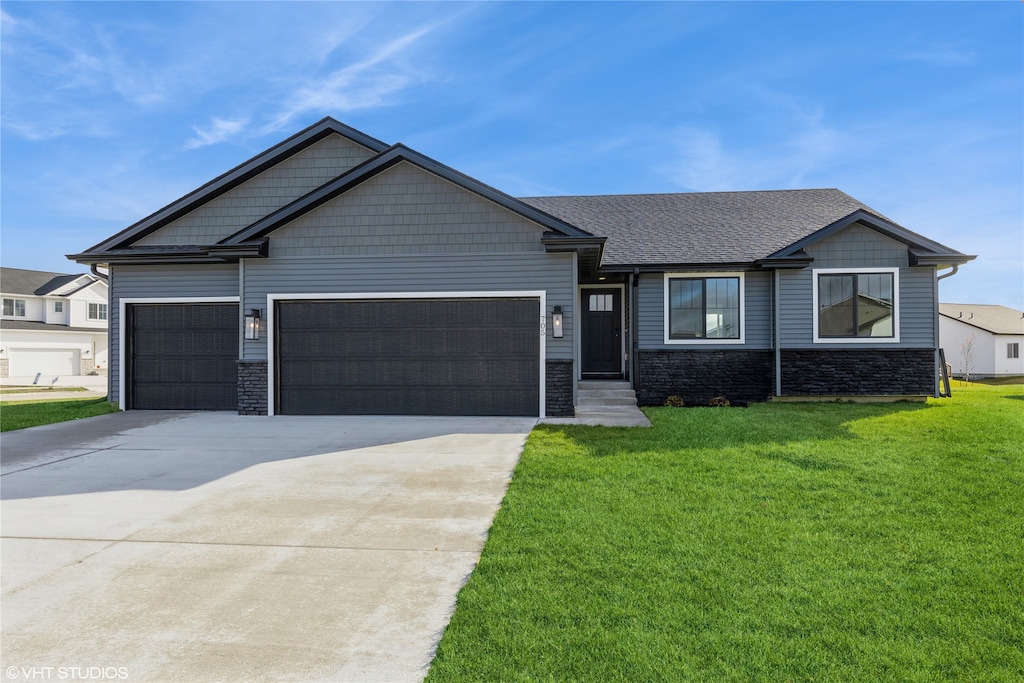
(757, 319)
(170, 281)
(406, 210)
(453, 273)
(858, 247)
(288, 180)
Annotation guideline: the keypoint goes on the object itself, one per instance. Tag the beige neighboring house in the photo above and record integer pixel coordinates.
(53, 324)
(998, 338)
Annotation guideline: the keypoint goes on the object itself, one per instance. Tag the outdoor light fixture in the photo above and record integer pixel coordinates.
(252, 324)
(556, 322)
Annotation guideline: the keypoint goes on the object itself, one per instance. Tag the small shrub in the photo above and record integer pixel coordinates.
(675, 402)
(719, 402)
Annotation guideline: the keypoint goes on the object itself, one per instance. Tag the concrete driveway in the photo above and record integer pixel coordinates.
(164, 546)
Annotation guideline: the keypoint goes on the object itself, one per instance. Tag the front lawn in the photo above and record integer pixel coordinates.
(22, 414)
(780, 542)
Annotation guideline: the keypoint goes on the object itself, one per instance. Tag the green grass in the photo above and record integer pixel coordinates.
(22, 414)
(38, 390)
(781, 542)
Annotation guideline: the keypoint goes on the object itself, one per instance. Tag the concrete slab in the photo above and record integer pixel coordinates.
(209, 546)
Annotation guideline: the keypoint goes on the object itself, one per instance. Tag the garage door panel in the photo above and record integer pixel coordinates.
(183, 356)
(409, 356)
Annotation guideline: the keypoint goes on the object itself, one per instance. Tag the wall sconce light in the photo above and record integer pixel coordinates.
(86, 353)
(252, 323)
(556, 322)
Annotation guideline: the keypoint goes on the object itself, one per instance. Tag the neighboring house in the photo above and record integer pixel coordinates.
(998, 338)
(53, 323)
(386, 282)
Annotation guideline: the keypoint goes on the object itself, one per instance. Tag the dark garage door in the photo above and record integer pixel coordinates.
(409, 357)
(183, 356)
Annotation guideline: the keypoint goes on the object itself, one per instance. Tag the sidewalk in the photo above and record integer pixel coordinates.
(49, 387)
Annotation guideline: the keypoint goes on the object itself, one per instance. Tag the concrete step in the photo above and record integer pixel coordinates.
(611, 393)
(602, 384)
(586, 400)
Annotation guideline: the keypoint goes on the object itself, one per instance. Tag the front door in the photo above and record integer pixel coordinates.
(601, 339)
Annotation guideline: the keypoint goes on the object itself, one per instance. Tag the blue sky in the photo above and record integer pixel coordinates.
(112, 110)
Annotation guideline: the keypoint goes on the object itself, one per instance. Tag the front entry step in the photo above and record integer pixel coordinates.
(608, 402)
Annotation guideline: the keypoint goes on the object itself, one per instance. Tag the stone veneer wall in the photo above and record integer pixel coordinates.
(252, 387)
(856, 372)
(5, 368)
(87, 366)
(697, 375)
(558, 392)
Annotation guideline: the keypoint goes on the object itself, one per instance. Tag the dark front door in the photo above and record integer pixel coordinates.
(601, 342)
(409, 357)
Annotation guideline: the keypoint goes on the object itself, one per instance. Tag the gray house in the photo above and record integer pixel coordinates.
(335, 274)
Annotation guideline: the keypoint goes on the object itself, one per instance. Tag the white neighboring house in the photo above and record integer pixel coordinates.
(52, 323)
(998, 338)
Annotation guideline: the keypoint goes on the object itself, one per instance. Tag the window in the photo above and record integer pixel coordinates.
(14, 307)
(1013, 350)
(703, 308)
(58, 306)
(601, 302)
(856, 305)
(97, 311)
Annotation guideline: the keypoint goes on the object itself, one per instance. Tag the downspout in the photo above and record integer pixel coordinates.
(936, 385)
(97, 273)
(634, 330)
(777, 333)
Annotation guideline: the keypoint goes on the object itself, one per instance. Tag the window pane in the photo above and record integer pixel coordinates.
(58, 306)
(8, 306)
(835, 306)
(874, 305)
(722, 320)
(686, 309)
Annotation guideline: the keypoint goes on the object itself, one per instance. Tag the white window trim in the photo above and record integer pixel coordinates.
(58, 306)
(122, 307)
(705, 342)
(272, 298)
(97, 304)
(14, 307)
(895, 339)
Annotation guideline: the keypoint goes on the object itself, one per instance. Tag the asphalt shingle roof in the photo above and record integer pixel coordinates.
(704, 227)
(995, 319)
(33, 282)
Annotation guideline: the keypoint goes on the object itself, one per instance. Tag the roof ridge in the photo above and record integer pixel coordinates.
(674, 194)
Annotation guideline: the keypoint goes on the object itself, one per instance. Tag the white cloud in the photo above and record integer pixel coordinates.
(363, 84)
(217, 131)
(940, 55)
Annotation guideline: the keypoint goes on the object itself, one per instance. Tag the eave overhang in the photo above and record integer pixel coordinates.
(215, 253)
(589, 249)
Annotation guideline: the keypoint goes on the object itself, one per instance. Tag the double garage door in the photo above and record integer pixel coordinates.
(478, 356)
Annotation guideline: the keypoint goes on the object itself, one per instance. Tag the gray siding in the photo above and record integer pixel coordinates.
(858, 247)
(162, 282)
(272, 189)
(406, 210)
(758, 321)
(552, 273)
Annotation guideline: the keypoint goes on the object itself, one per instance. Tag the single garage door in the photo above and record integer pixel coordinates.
(49, 362)
(408, 357)
(183, 356)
